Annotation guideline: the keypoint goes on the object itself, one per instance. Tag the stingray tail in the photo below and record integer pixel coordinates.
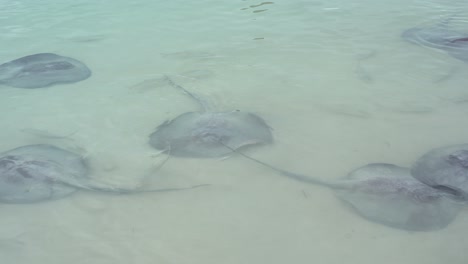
(289, 174)
(103, 187)
(93, 185)
(138, 190)
(201, 101)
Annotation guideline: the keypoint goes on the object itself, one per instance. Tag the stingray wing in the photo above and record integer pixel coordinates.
(446, 167)
(247, 129)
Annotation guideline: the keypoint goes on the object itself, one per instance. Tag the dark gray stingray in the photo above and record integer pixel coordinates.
(206, 134)
(440, 37)
(35, 173)
(42, 70)
(445, 168)
(389, 195)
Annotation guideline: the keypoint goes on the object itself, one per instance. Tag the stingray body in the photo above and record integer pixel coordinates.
(206, 134)
(388, 194)
(200, 134)
(445, 168)
(439, 37)
(35, 173)
(42, 70)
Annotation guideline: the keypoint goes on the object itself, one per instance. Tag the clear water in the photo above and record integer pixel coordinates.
(333, 78)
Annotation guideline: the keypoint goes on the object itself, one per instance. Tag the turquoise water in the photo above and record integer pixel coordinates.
(333, 78)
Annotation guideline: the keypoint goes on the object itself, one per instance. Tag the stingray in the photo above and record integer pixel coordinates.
(388, 194)
(440, 37)
(34, 173)
(445, 168)
(42, 70)
(209, 134)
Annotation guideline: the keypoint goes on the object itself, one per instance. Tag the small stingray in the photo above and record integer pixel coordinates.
(42, 70)
(389, 195)
(445, 168)
(36, 173)
(440, 37)
(206, 134)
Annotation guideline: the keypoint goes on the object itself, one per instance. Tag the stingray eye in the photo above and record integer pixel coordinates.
(463, 40)
(459, 158)
(7, 162)
(25, 173)
(210, 136)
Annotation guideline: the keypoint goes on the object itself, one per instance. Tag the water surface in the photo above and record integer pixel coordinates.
(333, 78)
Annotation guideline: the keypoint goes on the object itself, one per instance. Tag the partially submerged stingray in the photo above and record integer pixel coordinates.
(440, 37)
(35, 173)
(435, 37)
(209, 134)
(459, 49)
(42, 70)
(389, 195)
(445, 168)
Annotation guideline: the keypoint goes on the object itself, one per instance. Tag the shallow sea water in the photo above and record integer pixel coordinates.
(333, 78)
